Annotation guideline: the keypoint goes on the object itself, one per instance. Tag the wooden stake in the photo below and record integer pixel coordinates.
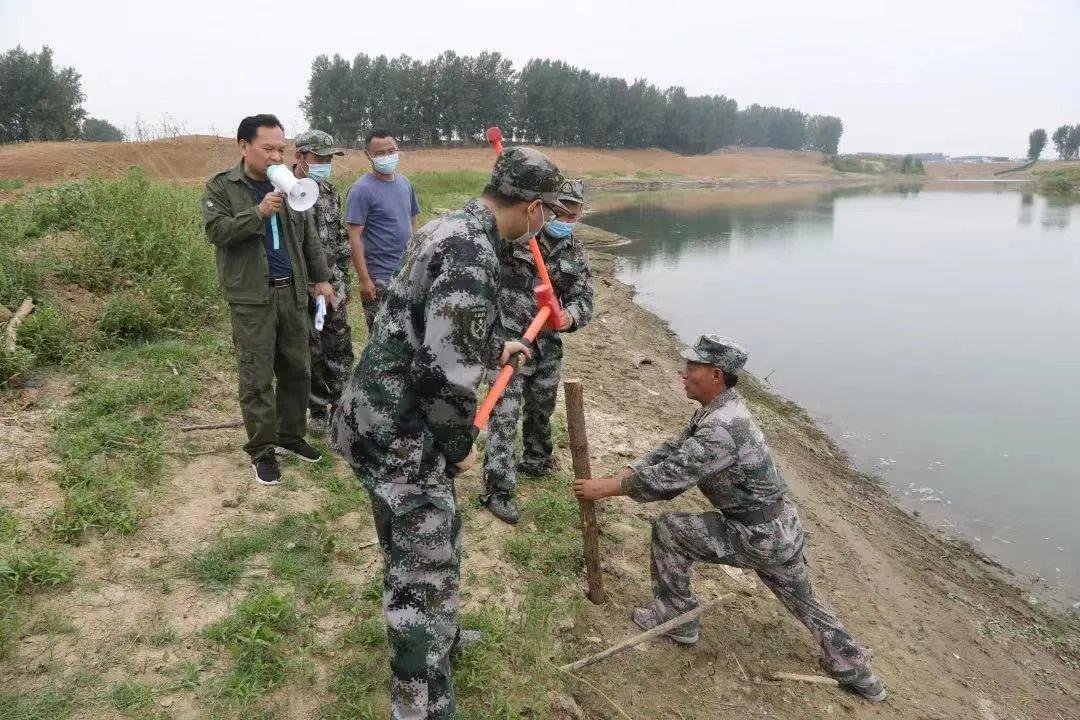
(212, 426)
(646, 636)
(579, 451)
(10, 336)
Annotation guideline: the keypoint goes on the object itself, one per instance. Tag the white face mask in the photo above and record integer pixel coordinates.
(385, 164)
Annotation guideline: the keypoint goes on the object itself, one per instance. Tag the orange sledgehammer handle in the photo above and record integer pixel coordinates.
(507, 372)
(549, 312)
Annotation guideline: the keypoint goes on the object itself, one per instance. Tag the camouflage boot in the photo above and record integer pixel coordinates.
(502, 506)
(647, 618)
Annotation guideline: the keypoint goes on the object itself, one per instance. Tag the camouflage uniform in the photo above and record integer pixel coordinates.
(724, 453)
(331, 349)
(536, 384)
(406, 418)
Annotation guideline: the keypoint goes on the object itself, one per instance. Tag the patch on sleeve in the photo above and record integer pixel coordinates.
(209, 204)
(478, 322)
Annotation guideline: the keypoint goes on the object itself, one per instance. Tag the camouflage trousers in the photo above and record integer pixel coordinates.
(331, 357)
(774, 550)
(370, 308)
(421, 550)
(538, 394)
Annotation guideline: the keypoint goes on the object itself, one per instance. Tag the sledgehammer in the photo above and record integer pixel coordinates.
(549, 312)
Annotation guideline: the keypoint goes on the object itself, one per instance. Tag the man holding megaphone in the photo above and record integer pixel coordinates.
(268, 251)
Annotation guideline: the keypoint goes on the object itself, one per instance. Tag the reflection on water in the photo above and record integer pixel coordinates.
(934, 330)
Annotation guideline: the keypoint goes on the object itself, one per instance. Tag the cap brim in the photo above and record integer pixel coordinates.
(552, 200)
(691, 355)
(308, 148)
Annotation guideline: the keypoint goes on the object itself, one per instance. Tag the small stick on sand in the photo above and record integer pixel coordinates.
(212, 426)
(645, 636)
(814, 679)
(25, 309)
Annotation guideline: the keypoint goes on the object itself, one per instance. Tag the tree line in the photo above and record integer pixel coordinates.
(1066, 141)
(41, 102)
(453, 98)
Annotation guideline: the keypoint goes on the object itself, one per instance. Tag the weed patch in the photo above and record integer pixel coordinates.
(132, 698)
(49, 333)
(41, 705)
(256, 637)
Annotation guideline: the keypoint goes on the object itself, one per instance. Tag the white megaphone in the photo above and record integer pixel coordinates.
(302, 194)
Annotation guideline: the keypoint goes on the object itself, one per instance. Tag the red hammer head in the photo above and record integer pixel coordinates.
(545, 297)
(494, 136)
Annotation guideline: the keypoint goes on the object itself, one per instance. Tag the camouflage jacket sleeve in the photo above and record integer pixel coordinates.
(578, 297)
(311, 246)
(223, 227)
(700, 452)
(458, 316)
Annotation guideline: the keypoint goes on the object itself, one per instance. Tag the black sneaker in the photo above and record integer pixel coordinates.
(266, 470)
(301, 450)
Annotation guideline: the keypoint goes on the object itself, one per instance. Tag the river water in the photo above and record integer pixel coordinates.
(934, 332)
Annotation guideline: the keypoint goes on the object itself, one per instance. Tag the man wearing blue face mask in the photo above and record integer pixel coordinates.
(331, 348)
(532, 392)
(381, 212)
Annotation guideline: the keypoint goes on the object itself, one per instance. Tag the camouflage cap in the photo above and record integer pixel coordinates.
(572, 190)
(527, 174)
(717, 350)
(318, 142)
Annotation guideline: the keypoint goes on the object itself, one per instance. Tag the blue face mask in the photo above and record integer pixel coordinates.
(559, 229)
(319, 172)
(385, 164)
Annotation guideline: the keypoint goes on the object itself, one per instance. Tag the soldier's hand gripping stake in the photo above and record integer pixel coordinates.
(548, 314)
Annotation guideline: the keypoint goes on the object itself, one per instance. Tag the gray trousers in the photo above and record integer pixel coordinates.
(773, 550)
(421, 550)
(536, 394)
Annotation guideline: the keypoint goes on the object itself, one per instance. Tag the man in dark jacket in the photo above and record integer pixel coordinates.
(267, 254)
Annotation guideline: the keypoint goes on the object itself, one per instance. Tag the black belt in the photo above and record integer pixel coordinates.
(759, 516)
(281, 282)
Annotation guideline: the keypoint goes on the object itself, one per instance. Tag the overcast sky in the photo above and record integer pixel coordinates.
(954, 76)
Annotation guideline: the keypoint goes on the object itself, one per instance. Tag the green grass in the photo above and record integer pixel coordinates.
(49, 333)
(9, 525)
(258, 635)
(548, 543)
(11, 184)
(22, 571)
(299, 546)
(132, 698)
(50, 704)
(1060, 181)
(110, 439)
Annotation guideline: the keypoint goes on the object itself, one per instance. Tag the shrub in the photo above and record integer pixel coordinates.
(49, 334)
(126, 318)
(15, 366)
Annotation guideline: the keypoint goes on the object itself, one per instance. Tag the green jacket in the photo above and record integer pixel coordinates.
(236, 229)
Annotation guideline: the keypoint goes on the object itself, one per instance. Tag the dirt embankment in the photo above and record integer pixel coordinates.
(949, 634)
(194, 158)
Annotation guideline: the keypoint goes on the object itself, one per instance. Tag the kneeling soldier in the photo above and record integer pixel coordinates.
(754, 525)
